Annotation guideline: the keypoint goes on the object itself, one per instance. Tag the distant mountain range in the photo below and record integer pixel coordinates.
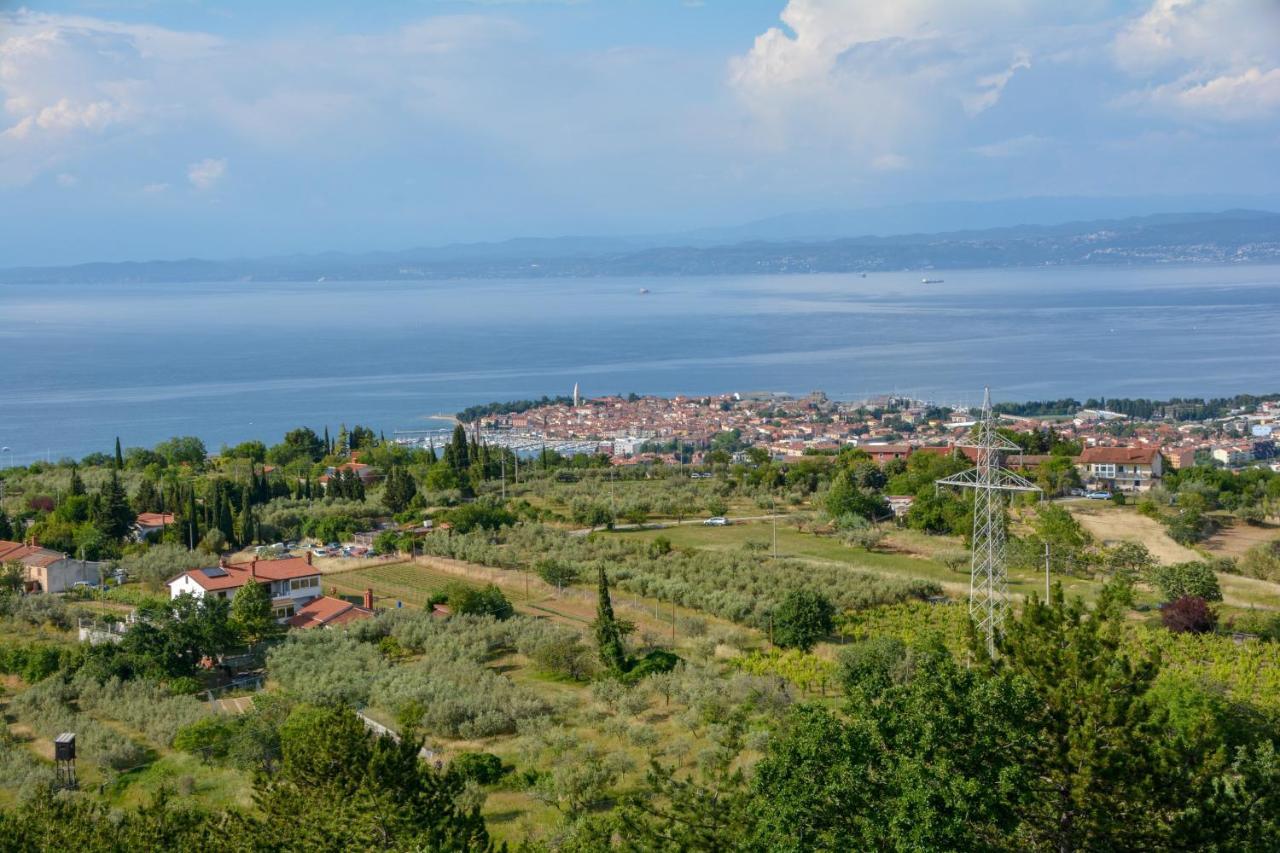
(1233, 236)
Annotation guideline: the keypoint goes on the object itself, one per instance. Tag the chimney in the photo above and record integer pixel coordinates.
(368, 598)
(308, 558)
(222, 562)
(253, 569)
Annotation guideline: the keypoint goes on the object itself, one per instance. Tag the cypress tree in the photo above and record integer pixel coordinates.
(248, 527)
(456, 452)
(609, 631)
(119, 455)
(328, 445)
(77, 484)
(431, 452)
(225, 522)
(193, 520)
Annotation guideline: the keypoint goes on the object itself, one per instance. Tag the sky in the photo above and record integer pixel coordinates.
(136, 130)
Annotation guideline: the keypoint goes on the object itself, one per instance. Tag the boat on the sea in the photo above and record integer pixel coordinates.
(643, 291)
(931, 281)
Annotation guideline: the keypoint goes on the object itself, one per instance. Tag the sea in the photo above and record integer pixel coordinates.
(81, 364)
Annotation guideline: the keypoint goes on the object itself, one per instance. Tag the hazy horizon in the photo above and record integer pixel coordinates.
(154, 131)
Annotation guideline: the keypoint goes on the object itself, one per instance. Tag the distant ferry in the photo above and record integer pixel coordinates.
(644, 290)
(931, 281)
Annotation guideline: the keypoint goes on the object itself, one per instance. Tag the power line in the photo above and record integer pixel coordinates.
(988, 575)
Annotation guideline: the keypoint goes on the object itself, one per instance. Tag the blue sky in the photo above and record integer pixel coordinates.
(175, 129)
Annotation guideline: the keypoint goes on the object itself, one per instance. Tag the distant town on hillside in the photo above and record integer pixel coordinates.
(1236, 236)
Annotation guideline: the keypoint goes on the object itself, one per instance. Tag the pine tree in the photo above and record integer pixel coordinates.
(119, 455)
(609, 630)
(399, 490)
(113, 514)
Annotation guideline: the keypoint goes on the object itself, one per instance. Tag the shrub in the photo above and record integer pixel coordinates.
(209, 738)
(1186, 579)
(803, 618)
(469, 601)
(484, 768)
(656, 661)
(1189, 615)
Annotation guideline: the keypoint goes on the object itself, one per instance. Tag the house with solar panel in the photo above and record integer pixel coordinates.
(293, 582)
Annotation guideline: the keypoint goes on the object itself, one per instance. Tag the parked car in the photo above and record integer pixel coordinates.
(716, 521)
(1076, 493)
(320, 552)
(1099, 496)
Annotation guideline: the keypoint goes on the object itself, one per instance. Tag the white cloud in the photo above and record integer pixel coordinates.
(66, 180)
(1214, 59)
(1014, 147)
(867, 76)
(992, 85)
(204, 174)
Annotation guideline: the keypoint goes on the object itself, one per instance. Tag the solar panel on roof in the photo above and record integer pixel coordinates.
(215, 572)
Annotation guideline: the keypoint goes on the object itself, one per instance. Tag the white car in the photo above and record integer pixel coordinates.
(716, 521)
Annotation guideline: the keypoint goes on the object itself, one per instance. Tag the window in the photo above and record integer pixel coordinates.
(283, 612)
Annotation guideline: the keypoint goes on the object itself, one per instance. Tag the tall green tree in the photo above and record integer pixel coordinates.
(76, 486)
(119, 462)
(609, 630)
(251, 614)
(248, 525)
(399, 490)
(147, 499)
(113, 515)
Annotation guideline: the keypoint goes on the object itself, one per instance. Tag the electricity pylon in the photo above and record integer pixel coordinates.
(988, 577)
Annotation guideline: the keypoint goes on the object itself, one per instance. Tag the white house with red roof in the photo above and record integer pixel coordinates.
(293, 582)
(1125, 469)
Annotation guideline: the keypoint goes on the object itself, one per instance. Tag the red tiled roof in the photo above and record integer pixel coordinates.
(1119, 455)
(154, 519)
(326, 610)
(238, 574)
(30, 555)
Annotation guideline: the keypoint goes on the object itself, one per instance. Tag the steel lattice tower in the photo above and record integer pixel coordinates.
(988, 577)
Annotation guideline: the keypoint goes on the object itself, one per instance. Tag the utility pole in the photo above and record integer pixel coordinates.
(673, 620)
(1046, 573)
(504, 474)
(988, 575)
(773, 519)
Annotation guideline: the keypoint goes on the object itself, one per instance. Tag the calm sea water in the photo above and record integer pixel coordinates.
(80, 364)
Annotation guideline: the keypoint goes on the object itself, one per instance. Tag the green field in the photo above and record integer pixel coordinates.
(904, 554)
(407, 582)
